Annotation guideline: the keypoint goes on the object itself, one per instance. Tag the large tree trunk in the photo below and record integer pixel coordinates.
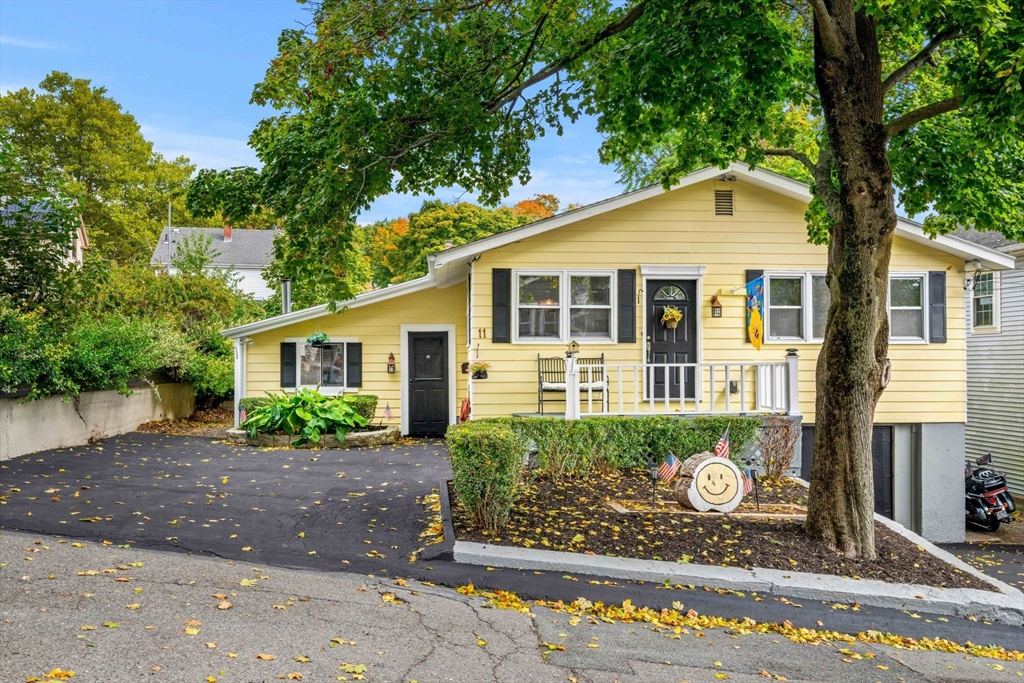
(853, 366)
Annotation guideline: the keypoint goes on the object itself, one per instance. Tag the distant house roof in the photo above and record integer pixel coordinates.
(247, 248)
(988, 238)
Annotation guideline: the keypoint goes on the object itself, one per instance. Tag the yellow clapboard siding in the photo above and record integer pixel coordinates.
(768, 232)
(378, 328)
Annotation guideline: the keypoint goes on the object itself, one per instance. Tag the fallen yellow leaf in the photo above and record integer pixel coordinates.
(265, 657)
(224, 604)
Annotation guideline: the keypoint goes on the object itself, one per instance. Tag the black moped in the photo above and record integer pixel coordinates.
(989, 502)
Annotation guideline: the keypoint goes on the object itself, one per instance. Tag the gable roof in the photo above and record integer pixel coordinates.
(448, 267)
(794, 189)
(247, 248)
(990, 239)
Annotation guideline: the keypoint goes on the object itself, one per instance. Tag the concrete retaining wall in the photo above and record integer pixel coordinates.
(53, 423)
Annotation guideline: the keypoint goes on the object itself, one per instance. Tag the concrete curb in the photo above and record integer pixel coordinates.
(444, 549)
(1005, 607)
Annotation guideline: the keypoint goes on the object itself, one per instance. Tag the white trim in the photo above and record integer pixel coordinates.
(698, 312)
(670, 271)
(334, 390)
(377, 295)
(404, 374)
(239, 375)
(565, 305)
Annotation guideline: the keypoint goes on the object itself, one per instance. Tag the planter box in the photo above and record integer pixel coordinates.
(378, 437)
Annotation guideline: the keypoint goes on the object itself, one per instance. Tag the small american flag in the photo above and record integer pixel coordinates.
(242, 416)
(722, 447)
(748, 480)
(669, 468)
(388, 415)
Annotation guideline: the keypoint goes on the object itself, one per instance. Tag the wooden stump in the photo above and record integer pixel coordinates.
(709, 483)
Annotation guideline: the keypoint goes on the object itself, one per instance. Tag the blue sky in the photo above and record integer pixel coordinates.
(185, 70)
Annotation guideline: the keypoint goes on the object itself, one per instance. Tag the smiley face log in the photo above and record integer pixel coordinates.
(709, 483)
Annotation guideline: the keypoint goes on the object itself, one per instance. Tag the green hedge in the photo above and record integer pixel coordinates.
(574, 447)
(487, 462)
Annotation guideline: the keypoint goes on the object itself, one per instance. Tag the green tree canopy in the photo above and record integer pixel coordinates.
(865, 98)
(76, 131)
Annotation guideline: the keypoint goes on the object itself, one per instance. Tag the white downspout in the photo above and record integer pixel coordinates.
(469, 337)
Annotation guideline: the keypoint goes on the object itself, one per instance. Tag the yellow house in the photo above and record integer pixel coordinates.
(603, 276)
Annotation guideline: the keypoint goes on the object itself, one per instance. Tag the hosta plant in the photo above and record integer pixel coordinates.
(305, 414)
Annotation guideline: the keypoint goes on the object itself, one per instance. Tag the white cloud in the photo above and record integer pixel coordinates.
(30, 44)
(205, 151)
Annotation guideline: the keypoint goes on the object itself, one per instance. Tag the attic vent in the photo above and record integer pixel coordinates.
(723, 202)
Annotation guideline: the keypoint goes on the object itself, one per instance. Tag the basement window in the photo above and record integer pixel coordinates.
(723, 202)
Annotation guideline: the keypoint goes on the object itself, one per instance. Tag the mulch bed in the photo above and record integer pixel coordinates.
(214, 422)
(571, 515)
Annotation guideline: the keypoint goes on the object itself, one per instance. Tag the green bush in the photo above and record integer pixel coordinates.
(487, 461)
(306, 414)
(253, 402)
(574, 447)
(365, 405)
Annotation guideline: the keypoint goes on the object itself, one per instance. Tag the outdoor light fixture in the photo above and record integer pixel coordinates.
(734, 387)
(716, 307)
(391, 363)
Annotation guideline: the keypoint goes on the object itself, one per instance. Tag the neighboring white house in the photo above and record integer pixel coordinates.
(995, 359)
(248, 252)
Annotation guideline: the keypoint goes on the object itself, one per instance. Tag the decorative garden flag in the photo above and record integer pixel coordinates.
(755, 309)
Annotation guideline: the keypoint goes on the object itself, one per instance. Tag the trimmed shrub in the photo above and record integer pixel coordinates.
(487, 462)
(365, 405)
(306, 414)
(574, 447)
(251, 403)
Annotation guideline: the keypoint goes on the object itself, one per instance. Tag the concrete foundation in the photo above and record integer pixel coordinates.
(53, 423)
(940, 477)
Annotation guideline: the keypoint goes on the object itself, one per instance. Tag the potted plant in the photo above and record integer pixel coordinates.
(479, 369)
(317, 339)
(670, 317)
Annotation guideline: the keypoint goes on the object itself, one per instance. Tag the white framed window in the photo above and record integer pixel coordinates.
(985, 303)
(784, 300)
(324, 366)
(557, 305)
(907, 309)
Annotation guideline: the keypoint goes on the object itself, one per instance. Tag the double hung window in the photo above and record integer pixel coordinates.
(906, 307)
(983, 301)
(560, 305)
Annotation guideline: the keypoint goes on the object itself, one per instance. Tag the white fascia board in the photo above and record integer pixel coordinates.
(376, 296)
(968, 251)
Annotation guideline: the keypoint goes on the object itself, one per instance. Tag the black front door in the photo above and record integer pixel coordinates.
(428, 383)
(671, 345)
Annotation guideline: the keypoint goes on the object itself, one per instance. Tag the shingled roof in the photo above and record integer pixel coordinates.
(247, 248)
(986, 238)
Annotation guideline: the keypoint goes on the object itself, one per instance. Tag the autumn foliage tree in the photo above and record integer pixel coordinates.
(921, 96)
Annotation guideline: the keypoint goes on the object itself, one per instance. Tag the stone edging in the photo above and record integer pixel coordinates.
(445, 548)
(1006, 605)
(379, 437)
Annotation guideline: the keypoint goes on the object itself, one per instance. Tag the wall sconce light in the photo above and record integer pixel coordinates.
(391, 363)
(734, 387)
(716, 307)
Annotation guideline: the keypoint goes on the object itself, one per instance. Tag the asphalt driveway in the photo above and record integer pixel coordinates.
(336, 510)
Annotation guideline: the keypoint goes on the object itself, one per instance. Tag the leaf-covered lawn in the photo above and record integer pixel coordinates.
(572, 515)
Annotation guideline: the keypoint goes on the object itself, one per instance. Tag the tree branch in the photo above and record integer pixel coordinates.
(911, 118)
(920, 58)
(792, 154)
(826, 28)
(550, 70)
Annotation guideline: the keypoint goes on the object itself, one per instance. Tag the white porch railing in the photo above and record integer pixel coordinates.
(682, 388)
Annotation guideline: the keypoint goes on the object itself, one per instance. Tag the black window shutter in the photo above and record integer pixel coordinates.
(627, 306)
(751, 276)
(501, 305)
(937, 307)
(288, 352)
(354, 364)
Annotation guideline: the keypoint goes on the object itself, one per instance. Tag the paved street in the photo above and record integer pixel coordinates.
(111, 614)
(285, 508)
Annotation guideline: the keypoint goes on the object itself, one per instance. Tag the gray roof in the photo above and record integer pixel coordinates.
(986, 238)
(247, 248)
